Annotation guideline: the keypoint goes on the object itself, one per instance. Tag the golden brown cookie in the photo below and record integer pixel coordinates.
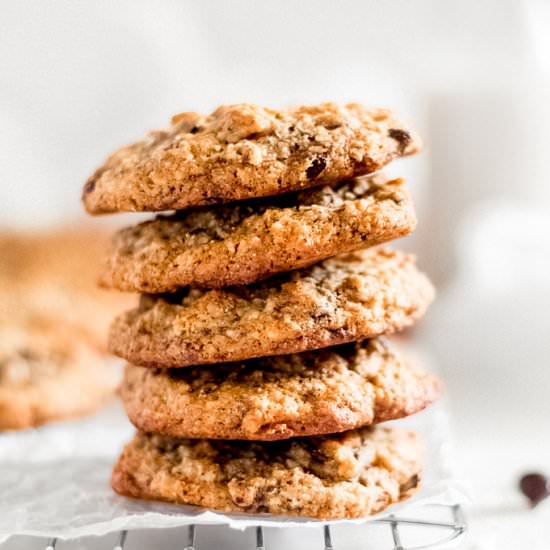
(53, 275)
(50, 372)
(53, 323)
(343, 299)
(348, 475)
(317, 392)
(244, 242)
(244, 151)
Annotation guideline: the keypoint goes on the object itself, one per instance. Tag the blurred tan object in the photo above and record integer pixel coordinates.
(53, 321)
(50, 372)
(46, 275)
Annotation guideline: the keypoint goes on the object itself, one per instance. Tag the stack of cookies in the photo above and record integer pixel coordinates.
(256, 372)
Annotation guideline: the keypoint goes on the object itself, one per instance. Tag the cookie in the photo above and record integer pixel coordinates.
(317, 392)
(50, 372)
(244, 242)
(53, 324)
(53, 275)
(244, 151)
(348, 475)
(343, 299)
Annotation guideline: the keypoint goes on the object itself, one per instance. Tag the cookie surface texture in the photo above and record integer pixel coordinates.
(347, 475)
(245, 242)
(244, 151)
(318, 392)
(343, 299)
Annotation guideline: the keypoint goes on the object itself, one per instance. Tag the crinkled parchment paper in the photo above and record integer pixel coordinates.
(54, 481)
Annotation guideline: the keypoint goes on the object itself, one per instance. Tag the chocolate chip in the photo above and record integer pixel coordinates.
(400, 136)
(194, 130)
(316, 167)
(535, 487)
(411, 483)
(89, 187)
(175, 297)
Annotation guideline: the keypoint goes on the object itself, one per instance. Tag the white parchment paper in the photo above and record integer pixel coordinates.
(54, 481)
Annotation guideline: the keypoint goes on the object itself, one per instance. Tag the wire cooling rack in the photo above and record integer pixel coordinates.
(431, 527)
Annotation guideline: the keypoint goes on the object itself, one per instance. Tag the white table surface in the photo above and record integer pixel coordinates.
(492, 452)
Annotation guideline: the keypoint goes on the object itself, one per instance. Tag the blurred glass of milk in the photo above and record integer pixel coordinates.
(489, 233)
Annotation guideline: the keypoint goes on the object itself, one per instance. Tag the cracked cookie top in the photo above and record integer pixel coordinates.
(269, 398)
(245, 242)
(343, 299)
(346, 475)
(244, 151)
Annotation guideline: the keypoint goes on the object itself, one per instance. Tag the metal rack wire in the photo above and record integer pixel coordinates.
(452, 531)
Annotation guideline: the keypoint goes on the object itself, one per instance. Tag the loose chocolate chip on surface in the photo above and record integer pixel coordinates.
(535, 487)
(316, 167)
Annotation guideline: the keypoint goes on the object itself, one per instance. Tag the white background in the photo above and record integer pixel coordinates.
(79, 78)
